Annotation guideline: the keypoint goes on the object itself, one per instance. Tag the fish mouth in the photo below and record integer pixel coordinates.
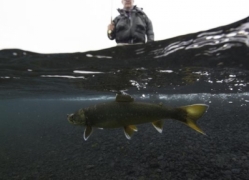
(69, 118)
(74, 120)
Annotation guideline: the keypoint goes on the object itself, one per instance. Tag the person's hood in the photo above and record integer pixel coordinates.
(134, 9)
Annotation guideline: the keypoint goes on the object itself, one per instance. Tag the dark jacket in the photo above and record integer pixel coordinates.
(132, 27)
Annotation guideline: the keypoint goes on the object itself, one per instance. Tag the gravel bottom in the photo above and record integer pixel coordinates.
(38, 143)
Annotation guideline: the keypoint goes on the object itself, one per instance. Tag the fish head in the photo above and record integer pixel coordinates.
(77, 118)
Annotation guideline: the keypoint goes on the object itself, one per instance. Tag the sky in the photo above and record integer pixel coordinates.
(68, 26)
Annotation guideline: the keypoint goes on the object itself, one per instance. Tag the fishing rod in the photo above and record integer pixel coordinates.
(111, 9)
(111, 24)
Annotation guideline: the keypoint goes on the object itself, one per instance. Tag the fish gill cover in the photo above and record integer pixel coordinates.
(212, 61)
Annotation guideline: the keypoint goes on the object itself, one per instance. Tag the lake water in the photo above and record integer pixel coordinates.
(37, 91)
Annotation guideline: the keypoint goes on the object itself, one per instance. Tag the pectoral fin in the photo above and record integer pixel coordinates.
(124, 98)
(129, 130)
(158, 125)
(88, 131)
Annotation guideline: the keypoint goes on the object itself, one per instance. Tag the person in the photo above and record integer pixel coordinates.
(132, 26)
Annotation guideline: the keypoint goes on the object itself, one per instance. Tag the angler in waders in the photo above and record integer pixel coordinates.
(132, 26)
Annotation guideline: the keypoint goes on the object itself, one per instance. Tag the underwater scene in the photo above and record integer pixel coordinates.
(170, 109)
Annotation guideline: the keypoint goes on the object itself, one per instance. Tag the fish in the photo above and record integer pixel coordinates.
(125, 113)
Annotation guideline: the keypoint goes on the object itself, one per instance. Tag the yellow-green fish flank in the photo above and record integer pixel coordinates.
(125, 113)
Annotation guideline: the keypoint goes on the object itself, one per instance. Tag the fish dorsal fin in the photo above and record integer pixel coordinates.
(158, 125)
(88, 131)
(129, 130)
(124, 98)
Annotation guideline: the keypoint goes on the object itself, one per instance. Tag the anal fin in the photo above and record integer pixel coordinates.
(88, 131)
(133, 127)
(158, 125)
(129, 130)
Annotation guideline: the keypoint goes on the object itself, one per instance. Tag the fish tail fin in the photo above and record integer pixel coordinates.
(191, 114)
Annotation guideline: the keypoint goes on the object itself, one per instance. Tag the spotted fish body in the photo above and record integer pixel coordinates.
(125, 113)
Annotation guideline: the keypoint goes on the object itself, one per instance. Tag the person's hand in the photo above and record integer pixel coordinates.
(110, 27)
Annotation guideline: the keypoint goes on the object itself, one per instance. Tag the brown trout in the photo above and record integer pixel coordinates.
(125, 113)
